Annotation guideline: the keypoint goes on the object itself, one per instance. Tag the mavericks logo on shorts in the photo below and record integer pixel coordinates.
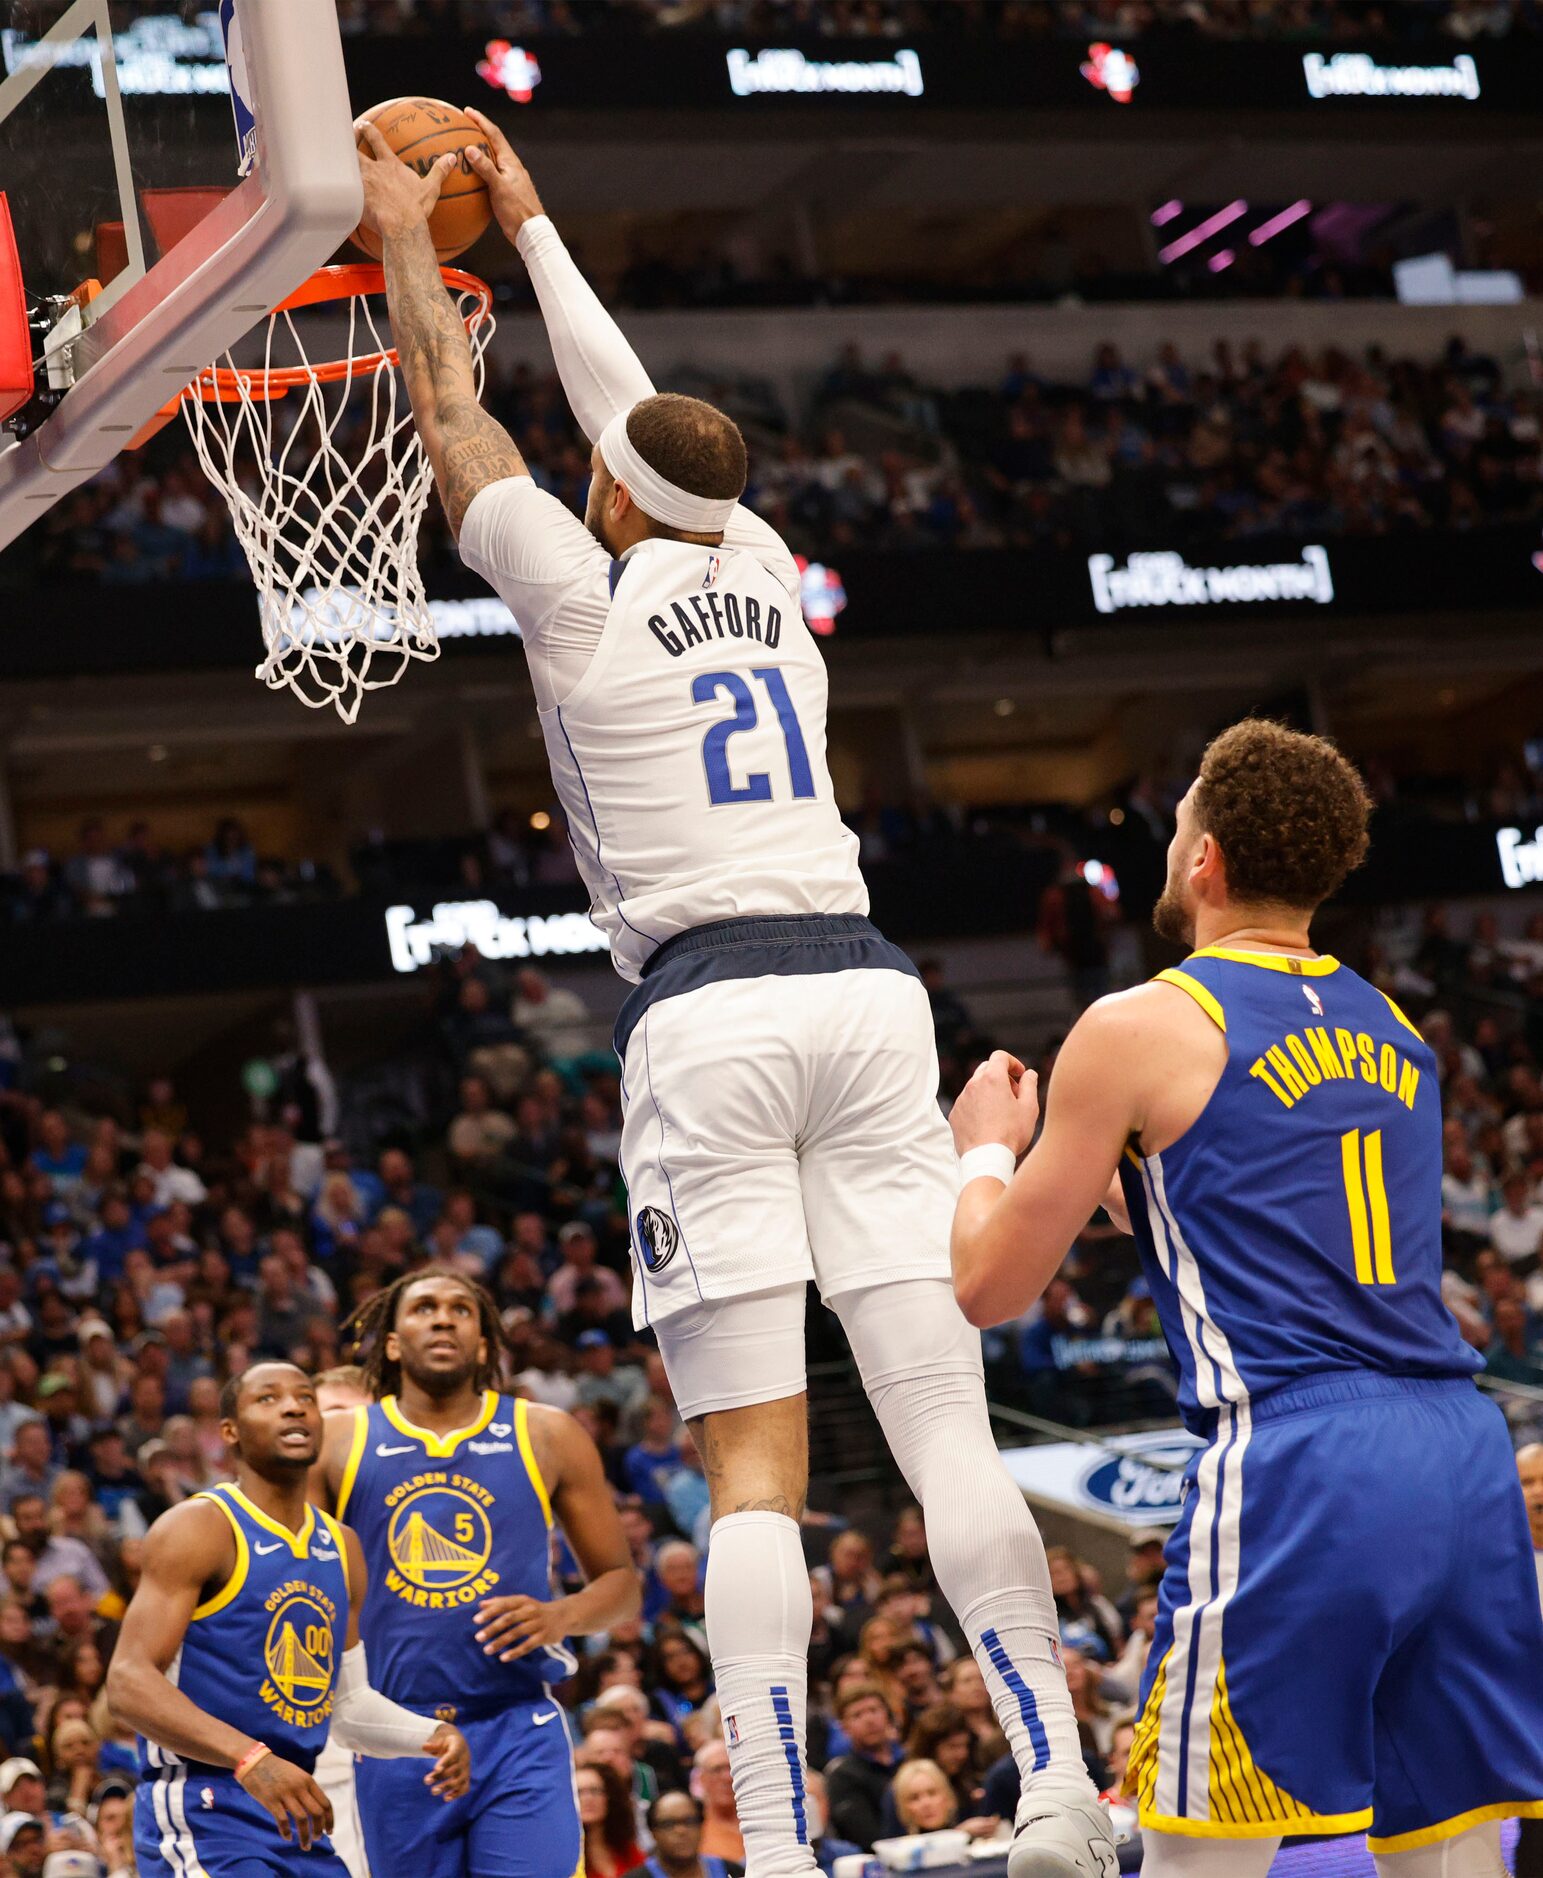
(658, 1238)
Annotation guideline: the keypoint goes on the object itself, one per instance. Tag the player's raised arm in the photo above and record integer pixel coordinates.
(467, 448)
(585, 1508)
(1012, 1230)
(601, 374)
(188, 1549)
(366, 1722)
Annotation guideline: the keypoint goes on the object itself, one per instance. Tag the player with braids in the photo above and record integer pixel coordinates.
(368, 1327)
(453, 1488)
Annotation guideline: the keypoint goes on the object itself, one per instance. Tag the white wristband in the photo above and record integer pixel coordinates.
(995, 1159)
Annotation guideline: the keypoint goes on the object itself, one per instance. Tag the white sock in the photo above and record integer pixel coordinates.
(759, 1616)
(920, 1364)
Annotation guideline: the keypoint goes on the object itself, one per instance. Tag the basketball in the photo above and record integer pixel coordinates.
(421, 130)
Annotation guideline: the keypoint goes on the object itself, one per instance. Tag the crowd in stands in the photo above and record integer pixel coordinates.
(1157, 452)
(1355, 21)
(1136, 452)
(138, 873)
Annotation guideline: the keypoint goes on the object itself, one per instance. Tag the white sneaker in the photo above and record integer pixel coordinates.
(1074, 1841)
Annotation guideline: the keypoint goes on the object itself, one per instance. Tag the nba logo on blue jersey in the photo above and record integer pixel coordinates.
(1313, 999)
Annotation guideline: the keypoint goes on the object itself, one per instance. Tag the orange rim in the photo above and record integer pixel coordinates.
(218, 384)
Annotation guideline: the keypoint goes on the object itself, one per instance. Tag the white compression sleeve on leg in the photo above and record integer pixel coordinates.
(1167, 1855)
(1472, 1854)
(600, 372)
(759, 1616)
(366, 1722)
(921, 1367)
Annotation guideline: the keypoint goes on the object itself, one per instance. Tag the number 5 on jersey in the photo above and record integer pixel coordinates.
(721, 787)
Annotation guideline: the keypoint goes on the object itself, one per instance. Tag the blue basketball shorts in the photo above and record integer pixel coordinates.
(519, 1820)
(193, 1823)
(1348, 1633)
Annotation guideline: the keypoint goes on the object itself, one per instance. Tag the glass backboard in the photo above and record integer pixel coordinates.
(172, 172)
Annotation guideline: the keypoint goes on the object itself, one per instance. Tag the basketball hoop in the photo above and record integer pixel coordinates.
(328, 491)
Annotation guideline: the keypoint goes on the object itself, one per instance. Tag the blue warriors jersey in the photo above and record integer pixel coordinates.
(1294, 1229)
(446, 1521)
(262, 1652)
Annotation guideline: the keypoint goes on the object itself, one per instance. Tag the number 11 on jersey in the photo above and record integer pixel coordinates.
(721, 787)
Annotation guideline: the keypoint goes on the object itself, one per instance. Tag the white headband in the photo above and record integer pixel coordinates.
(658, 498)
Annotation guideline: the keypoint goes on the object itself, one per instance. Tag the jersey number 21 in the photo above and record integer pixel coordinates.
(755, 788)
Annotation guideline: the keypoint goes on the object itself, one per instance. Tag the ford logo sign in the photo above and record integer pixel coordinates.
(1131, 1484)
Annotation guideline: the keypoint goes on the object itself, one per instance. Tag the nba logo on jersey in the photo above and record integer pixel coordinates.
(714, 562)
(1313, 999)
(731, 1731)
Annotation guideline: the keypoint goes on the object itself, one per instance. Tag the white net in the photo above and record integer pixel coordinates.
(328, 485)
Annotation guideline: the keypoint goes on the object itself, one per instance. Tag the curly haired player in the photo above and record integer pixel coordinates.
(454, 1489)
(1348, 1633)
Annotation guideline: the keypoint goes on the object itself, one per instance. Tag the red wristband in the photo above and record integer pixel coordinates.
(250, 1759)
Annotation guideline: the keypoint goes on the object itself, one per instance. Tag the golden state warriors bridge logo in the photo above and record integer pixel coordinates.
(440, 1541)
(298, 1654)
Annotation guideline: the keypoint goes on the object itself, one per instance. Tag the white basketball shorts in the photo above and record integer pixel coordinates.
(781, 1122)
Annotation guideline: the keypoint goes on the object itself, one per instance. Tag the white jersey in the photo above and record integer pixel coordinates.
(689, 755)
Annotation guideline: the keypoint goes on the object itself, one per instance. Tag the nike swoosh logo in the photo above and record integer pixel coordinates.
(383, 1451)
(264, 1550)
(542, 1720)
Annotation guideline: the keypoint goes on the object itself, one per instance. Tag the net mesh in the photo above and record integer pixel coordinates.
(328, 486)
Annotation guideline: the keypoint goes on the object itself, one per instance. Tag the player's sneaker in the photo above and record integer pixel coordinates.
(1074, 1841)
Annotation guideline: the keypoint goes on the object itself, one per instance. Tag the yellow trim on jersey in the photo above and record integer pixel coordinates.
(337, 1536)
(237, 1578)
(528, 1456)
(1273, 961)
(1204, 998)
(1413, 1028)
(440, 1447)
(355, 1455)
(298, 1542)
(1450, 1828)
(1243, 1802)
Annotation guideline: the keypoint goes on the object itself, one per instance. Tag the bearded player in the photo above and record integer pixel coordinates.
(779, 1068)
(455, 1489)
(1348, 1633)
(240, 1654)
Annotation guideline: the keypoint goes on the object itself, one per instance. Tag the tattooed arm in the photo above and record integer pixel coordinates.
(467, 448)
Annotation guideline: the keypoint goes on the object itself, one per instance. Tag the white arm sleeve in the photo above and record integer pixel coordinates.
(602, 375)
(366, 1722)
(549, 571)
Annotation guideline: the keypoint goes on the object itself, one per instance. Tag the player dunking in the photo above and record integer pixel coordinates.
(240, 1651)
(1348, 1634)
(779, 1069)
(454, 1489)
